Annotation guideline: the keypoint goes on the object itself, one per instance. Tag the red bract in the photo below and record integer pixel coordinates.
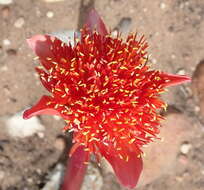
(105, 90)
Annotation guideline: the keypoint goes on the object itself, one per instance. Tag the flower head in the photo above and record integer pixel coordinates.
(107, 93)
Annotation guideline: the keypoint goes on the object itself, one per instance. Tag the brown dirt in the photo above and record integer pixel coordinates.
(175, 31)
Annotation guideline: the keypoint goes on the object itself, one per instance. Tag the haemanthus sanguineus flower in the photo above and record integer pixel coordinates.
(108, 95)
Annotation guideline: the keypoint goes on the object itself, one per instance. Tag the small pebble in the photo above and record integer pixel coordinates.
(156, 33)
(183, 159)
(19, 128)
(5, 12)
(11, 52)
(50, 14)
(60, 143)
(179, 178)
(39, 171)
(181, 71)
(173, 56)
(19, 22)
(162, 6)
(6, 42)
(38, 13)
(197, 109)
(2, 174)
(30, 180)
(4, 68)
(6, 2)
(186, 174)
(185, 148)
(41, 135)
(55, 178)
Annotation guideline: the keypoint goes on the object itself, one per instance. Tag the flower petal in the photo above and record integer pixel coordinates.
(41, 108)
(94, 21)
(75, 170)
(41, 44)
(127, 172)
(174, 79)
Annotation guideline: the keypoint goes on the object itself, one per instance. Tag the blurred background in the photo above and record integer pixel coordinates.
(32, 153)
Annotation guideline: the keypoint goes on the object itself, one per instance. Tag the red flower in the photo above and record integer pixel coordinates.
(105, 90)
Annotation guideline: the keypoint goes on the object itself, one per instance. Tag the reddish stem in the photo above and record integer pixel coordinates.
(76, 169)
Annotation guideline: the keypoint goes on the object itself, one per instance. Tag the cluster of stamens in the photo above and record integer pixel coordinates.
(104, 89)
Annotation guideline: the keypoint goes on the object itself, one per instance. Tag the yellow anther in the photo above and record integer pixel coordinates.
(80, 53)
(62, 70)
(73, 59)
(58, 89)
(48, 103)
(157, 78)
(121, 130)
(122, 137)
(134, 102)
(135, 48)
(66, 90)
(126, 50)
(43, 78)
(111, 98)
(153, 106)
(56, 106)
(112, 62)
(51, 70)
(121, 157)
(124, 68)
(64, 95)
(112, 119)
(131, 141)
(87, 127)
(63, 60)
(135, 82)
(86, 149)
(85, 133)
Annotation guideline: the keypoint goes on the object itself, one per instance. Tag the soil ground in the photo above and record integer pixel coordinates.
(175, 32)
